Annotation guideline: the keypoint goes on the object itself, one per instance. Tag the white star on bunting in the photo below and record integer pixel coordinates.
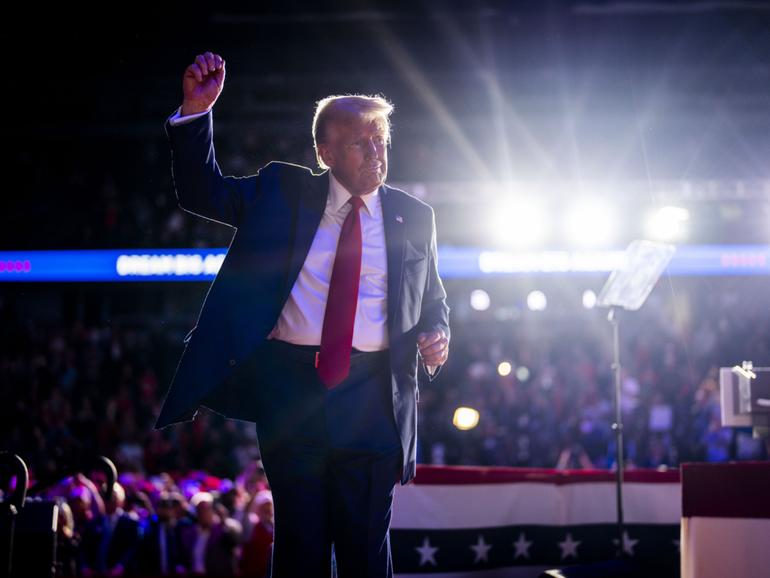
(628, 543)
(522, 546)
(482, 549)
(569, 547)
(427, 552)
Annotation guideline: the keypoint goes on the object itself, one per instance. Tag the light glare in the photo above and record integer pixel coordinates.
(465, 418)
(537, 301)
(590, 223)
(480, 300)
(522, 373)
(520, 223)
(668, 224)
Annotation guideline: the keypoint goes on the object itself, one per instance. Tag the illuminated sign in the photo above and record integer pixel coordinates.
(454, 262)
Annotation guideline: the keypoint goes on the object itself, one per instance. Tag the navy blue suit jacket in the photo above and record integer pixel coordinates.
(276, 213)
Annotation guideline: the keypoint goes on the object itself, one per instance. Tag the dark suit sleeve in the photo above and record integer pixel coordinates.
(200, 187)
(434, 313)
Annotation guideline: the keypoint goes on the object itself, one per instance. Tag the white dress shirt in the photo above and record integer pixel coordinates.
(301, 320)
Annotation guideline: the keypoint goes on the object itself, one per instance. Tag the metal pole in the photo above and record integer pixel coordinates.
(618, 427)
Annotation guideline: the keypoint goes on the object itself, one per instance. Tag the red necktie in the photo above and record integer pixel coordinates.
(337, 333)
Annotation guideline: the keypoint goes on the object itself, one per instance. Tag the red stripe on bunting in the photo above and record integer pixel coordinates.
(431, 475)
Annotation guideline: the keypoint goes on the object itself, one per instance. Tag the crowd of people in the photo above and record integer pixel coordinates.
(551, 402)
(198, 525)
(193, 498)
(90, 390)
(84, 376)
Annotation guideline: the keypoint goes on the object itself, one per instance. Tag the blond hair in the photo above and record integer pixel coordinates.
(341, 108)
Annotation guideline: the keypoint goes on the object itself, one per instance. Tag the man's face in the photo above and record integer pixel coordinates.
(357, 153)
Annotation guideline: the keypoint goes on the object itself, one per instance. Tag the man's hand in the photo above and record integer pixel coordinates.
(434, 348)
(202, 83)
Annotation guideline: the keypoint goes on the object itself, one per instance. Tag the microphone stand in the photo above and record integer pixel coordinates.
(618, 427)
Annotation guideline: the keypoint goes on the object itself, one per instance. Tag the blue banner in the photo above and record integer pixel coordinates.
(454, 262)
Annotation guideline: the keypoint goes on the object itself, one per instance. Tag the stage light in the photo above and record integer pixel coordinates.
(504, 368)
(668, 224)
(465, 418)
(520, 223)
(589, 299)
(590, 223)
(480, 300)
(537, 301)
(522, 373)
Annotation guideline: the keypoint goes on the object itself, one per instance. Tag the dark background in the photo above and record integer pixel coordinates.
(630, 95)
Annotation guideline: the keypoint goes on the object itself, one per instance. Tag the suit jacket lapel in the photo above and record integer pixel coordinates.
(310, 209)
(395, 234)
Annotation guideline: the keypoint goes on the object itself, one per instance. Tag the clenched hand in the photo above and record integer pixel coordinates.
(434, 348)
(202, 83)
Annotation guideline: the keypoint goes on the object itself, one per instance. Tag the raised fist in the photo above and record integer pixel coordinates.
(202, 83)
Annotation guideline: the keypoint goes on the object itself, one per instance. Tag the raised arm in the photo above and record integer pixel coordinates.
(200, 187)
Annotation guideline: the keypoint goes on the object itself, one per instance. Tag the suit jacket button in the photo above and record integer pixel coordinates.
(232, 362)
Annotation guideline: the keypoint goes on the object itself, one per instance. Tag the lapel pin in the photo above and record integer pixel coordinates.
(399, 219)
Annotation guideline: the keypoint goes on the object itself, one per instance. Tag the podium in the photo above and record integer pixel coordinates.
(725, 519)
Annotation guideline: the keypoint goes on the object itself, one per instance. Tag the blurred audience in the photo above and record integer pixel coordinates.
(110, 539)
(194, 498)
(210, 546)
(257, 550)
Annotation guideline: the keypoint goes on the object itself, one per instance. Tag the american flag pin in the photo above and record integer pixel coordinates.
(399, 219)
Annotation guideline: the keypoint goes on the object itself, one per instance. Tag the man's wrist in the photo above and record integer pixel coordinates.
(188, 109)
(177, 118)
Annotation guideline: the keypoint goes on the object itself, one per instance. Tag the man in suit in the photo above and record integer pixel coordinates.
(159, 552)
(110, 540)
(313, 327)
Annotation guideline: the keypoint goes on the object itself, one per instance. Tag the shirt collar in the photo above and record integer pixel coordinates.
(339, 195)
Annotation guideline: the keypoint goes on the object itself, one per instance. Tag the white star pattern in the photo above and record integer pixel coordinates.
(522, 546)
(482, 549)
(569, 547)
(427, 552)
(628, 543)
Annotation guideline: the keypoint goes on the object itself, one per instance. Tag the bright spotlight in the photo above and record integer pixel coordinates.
(589, 299)
(522, 373)
(465, 418)
(590, 223)
(504, 368)
(668, 224)
(480, 300)
(536, 301)
(520, 223)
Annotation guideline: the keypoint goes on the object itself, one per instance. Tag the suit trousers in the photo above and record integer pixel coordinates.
(332, 459)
